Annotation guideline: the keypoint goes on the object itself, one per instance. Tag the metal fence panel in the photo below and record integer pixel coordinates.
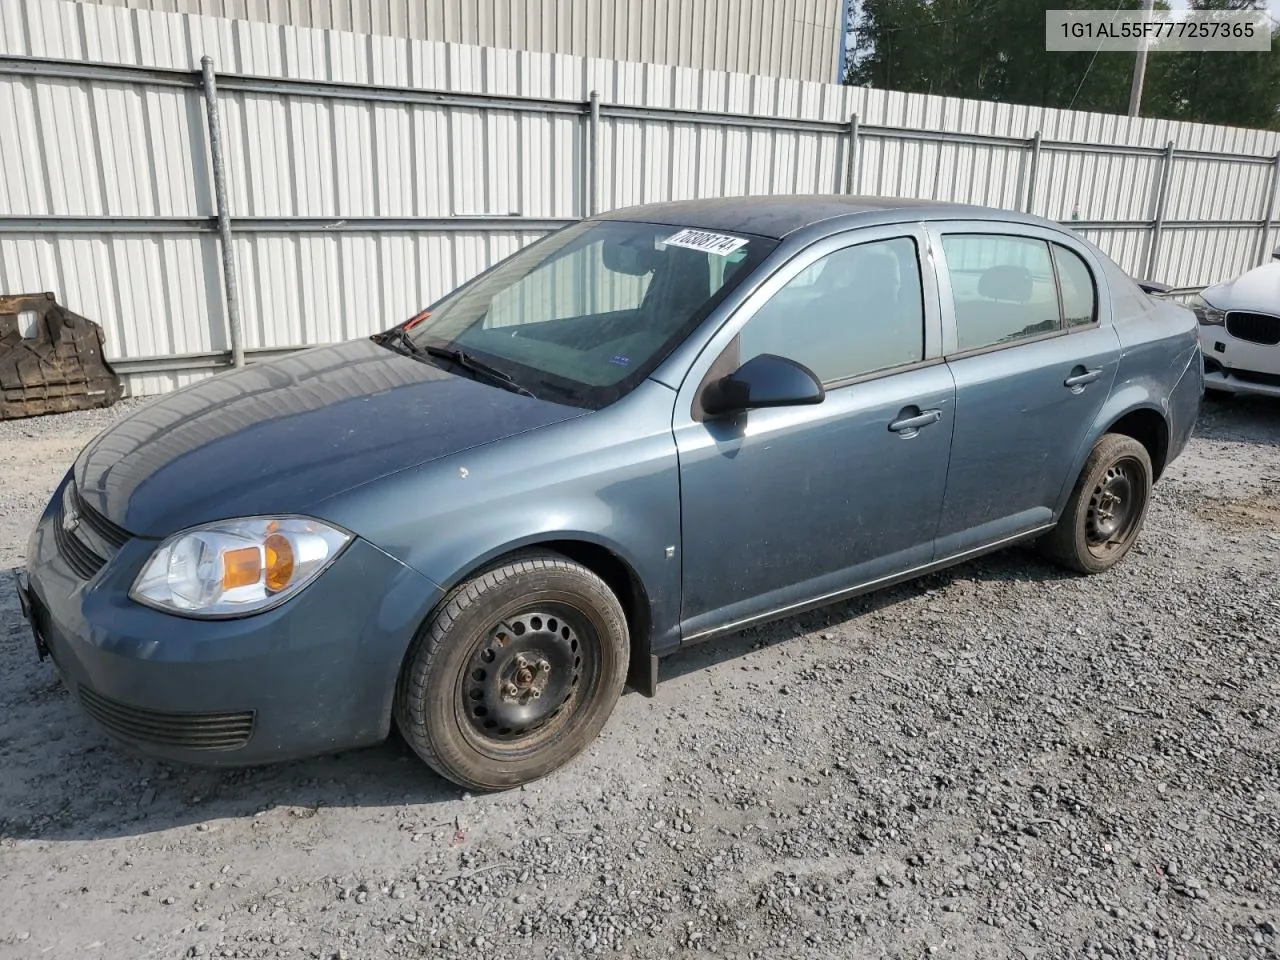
(798, 38)
(368, 175)
(1218, 189)
(1066, 186)
(154, 294)
(1183, 251)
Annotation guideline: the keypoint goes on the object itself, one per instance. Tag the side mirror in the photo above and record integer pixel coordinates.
(763, 381)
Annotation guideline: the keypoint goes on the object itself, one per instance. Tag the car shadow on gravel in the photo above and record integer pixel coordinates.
(65, 779)
(1240, 419)
(1017, 563)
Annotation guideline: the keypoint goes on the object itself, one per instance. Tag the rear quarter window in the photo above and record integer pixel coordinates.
(1079, 294)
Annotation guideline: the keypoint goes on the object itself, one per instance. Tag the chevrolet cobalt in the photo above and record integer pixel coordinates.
(650, 428)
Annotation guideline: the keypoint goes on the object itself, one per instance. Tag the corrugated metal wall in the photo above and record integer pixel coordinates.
(368, 175)
(778, 38)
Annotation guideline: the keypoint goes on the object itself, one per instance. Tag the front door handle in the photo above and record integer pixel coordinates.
(1080, 377)
(912, 419)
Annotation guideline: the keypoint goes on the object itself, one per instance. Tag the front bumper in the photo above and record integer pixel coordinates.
(1238, 366)
(1228, 382)
(314, 675)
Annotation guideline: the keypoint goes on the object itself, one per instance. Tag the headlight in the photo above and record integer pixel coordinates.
(1207, 313)
(235, 567)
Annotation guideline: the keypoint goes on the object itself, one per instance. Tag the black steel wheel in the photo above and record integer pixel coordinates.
(525, 677)
(1108, 505)
(1115, 507)
(515, 673)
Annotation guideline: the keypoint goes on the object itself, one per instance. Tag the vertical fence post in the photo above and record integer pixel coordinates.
(224, 215)
(1269, 209)
(593, 154)
(1033, 169)
(851, 163)
(1157, 225)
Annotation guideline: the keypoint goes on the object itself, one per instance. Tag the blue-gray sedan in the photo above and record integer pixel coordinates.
(647, 429)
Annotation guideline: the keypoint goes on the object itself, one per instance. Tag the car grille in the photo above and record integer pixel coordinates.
(79, 557)
(193, 731)
(90, 540)
(1254, 327)
(115, 535)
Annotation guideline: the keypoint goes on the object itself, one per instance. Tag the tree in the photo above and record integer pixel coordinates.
(1237, 88)
(994, 50)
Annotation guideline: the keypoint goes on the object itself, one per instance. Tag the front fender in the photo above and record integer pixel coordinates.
(609, 479)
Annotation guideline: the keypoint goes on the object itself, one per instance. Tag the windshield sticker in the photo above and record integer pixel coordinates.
(718, 243)
(416, 319)
(621, 361)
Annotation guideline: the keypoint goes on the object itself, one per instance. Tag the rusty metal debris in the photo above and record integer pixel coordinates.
(59, 369)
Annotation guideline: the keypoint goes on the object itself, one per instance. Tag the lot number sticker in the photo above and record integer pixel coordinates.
(717, 243)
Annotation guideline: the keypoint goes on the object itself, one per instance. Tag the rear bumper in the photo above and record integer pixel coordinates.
(315, 675)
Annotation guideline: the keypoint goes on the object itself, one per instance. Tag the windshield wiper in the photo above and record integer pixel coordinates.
(398, 336)
(470, 363)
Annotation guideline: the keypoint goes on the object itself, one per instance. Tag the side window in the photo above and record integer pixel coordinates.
(1079, 297)
(855, 311)
(1003, 288)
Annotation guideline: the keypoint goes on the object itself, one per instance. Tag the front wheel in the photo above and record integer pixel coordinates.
(1107, 507)
(515, 673)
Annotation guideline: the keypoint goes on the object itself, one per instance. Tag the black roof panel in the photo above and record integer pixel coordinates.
(779, 215)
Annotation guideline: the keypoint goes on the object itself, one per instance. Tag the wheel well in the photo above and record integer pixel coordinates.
(617, 573)
(626, 586)
(1150, 429)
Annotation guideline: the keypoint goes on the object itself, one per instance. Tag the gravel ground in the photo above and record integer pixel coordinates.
(997, 761)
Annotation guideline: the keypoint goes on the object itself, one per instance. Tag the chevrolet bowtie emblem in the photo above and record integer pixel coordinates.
(70, 520)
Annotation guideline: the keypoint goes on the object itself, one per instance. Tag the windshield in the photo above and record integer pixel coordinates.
(585, 314)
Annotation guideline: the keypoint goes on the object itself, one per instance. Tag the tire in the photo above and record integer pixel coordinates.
(1095, 531)
(1218, 396)
(515, 673)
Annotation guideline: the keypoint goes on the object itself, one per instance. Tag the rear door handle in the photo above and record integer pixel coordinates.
(909, 426)
(1077, 380)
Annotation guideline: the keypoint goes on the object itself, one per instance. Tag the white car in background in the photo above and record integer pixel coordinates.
(1240, 332)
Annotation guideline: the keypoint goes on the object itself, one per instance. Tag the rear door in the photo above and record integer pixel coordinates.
(1029, 340)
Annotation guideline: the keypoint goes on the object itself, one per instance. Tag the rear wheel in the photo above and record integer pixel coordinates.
(1107, 507)
(515, 673)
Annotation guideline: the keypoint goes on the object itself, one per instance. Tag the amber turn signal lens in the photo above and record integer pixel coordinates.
(241, 568)
(280, 563)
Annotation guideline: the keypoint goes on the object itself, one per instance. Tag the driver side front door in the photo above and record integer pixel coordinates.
(785, 506)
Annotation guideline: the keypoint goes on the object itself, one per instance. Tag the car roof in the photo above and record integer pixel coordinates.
(778, 216)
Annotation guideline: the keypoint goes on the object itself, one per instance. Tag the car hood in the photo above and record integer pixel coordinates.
(279, 437)
(1258, 291)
